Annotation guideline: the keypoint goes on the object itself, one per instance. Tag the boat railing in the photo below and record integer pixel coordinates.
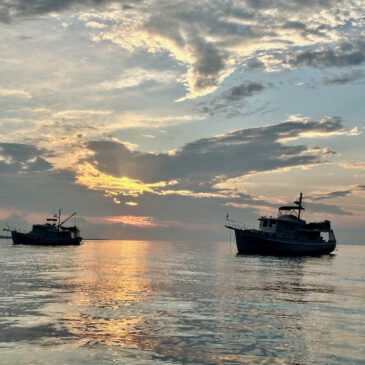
(230, 223)
(9, 228)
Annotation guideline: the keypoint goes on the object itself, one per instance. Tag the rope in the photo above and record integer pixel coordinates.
(230, 242)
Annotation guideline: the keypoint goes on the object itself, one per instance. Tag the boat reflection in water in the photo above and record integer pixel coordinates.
(287, 234)
(143, 302)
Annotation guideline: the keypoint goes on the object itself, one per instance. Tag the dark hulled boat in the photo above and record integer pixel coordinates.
(287, 234)
(52, 233)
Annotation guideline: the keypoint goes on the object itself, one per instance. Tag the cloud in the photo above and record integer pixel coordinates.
(329, 126)
(23, 8)
(95, 25)
(343, 54)
(198, 166)
(324, 208)
(15, 92)
(332, 194)
(65, 131)
(137, 76)
(17, 157)
(345, 78)
(212, 39)
(231, 100)
(337, 193)
(89, 176)
(353, 165)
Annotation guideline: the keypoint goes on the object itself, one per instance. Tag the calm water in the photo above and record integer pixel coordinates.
(123, 302)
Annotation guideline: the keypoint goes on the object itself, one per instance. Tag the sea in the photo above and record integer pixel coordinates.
(141, 302)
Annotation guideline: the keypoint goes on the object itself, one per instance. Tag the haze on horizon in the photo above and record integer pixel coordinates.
(154, 119)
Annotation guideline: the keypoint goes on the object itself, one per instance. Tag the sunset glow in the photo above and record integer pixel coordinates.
(181, 113)
(93, 179)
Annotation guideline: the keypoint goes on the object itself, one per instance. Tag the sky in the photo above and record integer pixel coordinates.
(153, 119)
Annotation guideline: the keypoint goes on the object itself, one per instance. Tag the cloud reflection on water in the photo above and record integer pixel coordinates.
(180, 302)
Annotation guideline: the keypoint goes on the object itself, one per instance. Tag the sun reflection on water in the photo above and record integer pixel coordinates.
(180, 303)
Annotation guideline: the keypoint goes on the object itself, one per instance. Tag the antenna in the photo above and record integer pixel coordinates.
(299, 203)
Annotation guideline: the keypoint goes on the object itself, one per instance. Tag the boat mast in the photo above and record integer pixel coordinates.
(59, 217)
(299, 202)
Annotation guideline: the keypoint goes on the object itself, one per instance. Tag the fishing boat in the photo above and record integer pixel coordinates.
(286, 234)
(52, 233)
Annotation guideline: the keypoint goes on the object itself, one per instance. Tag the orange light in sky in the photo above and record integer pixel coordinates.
(140, 221)
(92, 178)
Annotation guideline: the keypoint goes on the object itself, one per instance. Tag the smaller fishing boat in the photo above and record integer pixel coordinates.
(52, 233)
(286, 234)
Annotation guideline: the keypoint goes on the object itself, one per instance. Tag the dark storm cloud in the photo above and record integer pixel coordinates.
(230, 100)
(233, 154)
(18, 157)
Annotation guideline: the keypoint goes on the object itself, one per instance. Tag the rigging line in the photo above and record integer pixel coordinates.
(230, 243)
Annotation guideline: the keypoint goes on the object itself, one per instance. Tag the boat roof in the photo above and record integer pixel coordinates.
(290, 207)
(290, 218)
(284, 217)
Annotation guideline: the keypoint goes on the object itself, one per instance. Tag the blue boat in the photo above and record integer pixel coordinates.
(52, 233)
(286, 234)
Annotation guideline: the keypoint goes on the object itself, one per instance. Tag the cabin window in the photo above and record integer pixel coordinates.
(264, 223)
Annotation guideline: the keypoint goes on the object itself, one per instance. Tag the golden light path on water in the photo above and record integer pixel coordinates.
(179, 302)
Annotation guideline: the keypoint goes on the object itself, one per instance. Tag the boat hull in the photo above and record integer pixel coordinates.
(27, 239)
(251, 242)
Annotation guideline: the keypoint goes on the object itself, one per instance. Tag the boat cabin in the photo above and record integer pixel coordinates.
(289, 225)
(268, 224)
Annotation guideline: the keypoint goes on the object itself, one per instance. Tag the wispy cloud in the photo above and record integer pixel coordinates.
(339, 55)
(137, 76)
(344, 78)
(231, 99)
(338, 193)
(15, 93)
